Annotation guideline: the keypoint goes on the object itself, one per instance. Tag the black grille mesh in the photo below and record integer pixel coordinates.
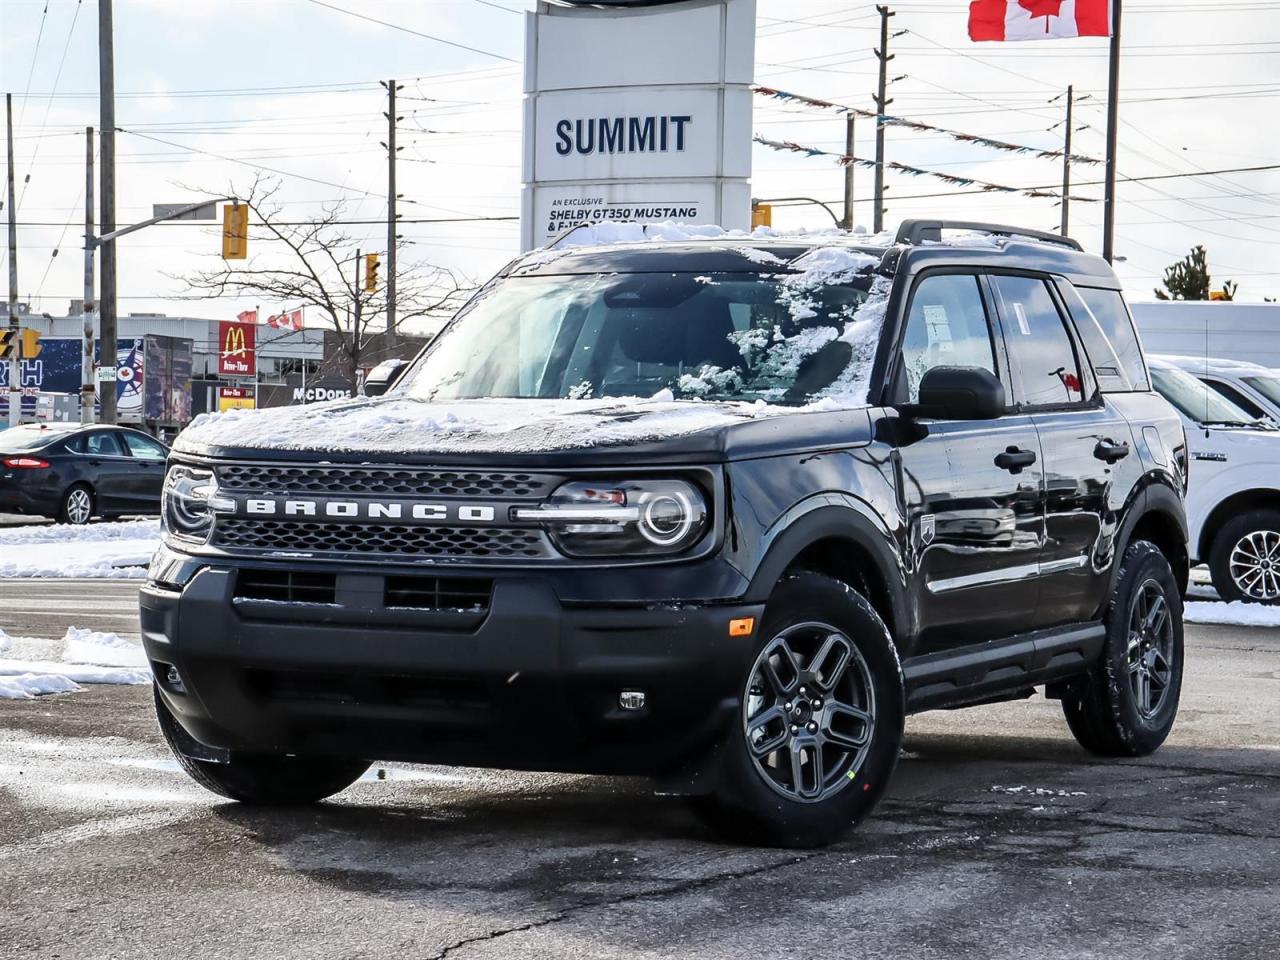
(396, 481)
(382, 539)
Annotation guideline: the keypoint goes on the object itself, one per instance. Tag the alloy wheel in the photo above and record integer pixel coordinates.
(809, 712)
(79, 506)
(1255, 565)
(1149, 657)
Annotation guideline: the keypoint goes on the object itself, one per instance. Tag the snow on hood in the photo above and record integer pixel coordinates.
(398, 424)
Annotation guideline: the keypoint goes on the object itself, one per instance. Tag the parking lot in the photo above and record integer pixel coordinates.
(999, 838)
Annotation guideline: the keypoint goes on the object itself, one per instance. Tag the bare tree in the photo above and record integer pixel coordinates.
(312, 263)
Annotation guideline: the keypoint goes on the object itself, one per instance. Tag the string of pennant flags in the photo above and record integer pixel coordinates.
(845, 160)
(1003, 145)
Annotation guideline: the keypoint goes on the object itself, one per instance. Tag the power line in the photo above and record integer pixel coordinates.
(416, 33)
(49, 105)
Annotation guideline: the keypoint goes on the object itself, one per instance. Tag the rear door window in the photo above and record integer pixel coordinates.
(103, 444)
(1042, 356)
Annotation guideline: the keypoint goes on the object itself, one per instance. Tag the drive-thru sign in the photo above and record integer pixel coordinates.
(637, 112)
(237, 355)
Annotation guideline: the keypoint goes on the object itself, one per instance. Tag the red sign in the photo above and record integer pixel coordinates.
(236, 345)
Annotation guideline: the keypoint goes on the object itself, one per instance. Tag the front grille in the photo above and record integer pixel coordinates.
(381, 539)
(468, 595)
(385, 481)
(286, 586)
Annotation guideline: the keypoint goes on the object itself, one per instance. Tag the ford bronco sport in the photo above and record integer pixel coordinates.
(719, 510)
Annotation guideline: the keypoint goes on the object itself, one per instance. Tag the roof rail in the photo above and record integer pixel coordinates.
(915, 231)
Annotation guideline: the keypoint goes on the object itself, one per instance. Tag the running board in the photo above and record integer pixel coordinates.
(984, 671)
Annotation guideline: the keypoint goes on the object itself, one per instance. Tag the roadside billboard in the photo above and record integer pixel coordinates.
(237, 349)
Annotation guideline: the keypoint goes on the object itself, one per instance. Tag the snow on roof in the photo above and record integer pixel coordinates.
(1211, 364)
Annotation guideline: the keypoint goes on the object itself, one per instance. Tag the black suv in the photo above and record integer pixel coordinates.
(719, 511)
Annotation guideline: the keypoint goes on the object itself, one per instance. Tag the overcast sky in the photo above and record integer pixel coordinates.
(210, 88)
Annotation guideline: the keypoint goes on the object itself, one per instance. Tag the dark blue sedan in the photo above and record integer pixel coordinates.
(72, 472)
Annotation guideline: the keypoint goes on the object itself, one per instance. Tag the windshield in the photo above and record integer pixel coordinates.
(1269, 387)
(736, 336)
(1196, 400)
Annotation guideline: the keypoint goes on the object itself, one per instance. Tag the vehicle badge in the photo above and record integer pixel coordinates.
(926, 529)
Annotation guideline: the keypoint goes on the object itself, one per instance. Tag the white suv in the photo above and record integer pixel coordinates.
(1233, 502)
(1253, 388)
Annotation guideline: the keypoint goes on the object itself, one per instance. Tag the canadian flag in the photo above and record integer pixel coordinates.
(1038, 19)
(287, 320)
(247, 316)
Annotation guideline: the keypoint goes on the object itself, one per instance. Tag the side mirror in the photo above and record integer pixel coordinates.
(960, 393)
(383, 377)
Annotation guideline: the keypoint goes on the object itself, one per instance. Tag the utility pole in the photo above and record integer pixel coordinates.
(1113, 133)
(390, 340)
(355, 322)
(1066, 164)
(107, 134)
(882, 103)
(88, 376)
(847, 223)
(15, 366)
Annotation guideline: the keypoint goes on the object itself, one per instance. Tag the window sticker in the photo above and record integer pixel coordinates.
(1023, 327)
(937, 327)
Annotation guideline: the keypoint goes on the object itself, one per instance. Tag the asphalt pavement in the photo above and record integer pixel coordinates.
(999, 838)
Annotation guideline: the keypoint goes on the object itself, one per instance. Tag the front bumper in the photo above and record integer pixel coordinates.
(530, 684)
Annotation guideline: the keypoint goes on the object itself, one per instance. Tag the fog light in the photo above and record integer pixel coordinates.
(631, 700)
(171, 679)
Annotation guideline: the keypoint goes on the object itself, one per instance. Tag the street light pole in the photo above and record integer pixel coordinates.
(87, 374)
(15, 367)
(107, 133)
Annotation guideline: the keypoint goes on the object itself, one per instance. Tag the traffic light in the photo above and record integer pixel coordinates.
(235, 231)
(371, 273)
(761, 214)
(22, 343)
(29, 347)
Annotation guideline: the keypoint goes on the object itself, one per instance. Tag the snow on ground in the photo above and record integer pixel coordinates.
(1236, 613)
(99, 550)
(60, 666)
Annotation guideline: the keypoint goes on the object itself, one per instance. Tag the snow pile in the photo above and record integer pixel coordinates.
(405, 425)
(87, 657)
(98, 550)
(1234, 614)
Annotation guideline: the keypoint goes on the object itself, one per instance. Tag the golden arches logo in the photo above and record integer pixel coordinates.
(234, 344)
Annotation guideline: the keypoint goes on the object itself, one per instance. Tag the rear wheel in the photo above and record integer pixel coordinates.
(77, 505)
(1127, 704)
(821, 720)
(1245, 560)
(260, 779)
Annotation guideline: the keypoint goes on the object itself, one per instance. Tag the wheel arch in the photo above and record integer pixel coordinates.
(1159, 519)
(1258, 498)
(838, 536)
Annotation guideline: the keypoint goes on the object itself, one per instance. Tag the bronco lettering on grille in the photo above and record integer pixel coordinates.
(366, 510)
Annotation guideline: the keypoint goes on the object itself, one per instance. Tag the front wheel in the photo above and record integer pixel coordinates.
(1126, 706)
(1245, 559)
(260, 779)
(820, 723)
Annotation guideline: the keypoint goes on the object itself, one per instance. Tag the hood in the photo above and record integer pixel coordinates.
(402, 429)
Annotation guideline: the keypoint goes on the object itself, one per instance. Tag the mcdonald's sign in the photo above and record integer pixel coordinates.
(236, 349)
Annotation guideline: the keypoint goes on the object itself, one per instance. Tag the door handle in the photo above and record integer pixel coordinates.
(1109, 451)
(1014, 459)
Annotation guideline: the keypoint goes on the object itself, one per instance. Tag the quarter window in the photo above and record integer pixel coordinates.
(1040, 349)
(946, 327)
(1109, 338)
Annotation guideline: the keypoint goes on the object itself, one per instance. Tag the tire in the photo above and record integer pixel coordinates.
(77, 505)
(1244, 561)
(1126, 706)
(821, 637)
(260, 779)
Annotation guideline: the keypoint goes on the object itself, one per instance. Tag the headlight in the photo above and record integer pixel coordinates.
(614, 519)
(188, 501)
